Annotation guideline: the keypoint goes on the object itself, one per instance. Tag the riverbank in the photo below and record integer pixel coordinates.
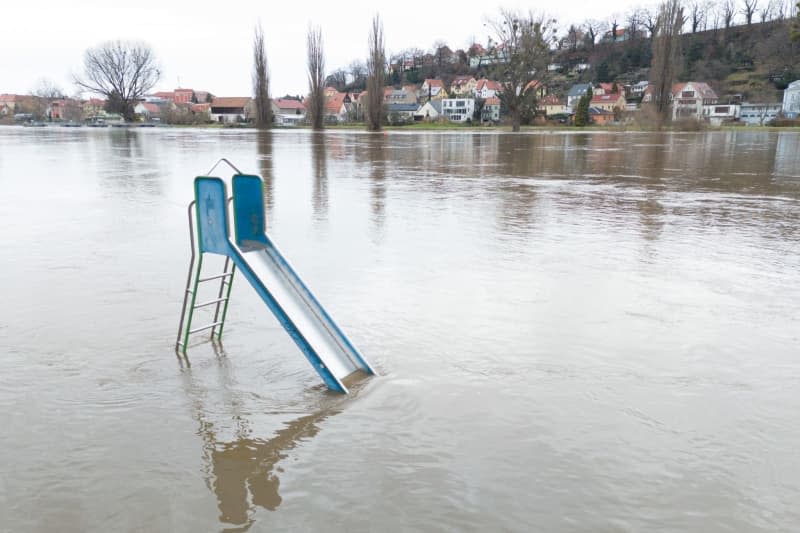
(445, 127)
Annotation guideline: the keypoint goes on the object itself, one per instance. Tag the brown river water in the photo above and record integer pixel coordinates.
(574, 332)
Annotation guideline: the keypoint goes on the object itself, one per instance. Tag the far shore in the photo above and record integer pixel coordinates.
(448, 127)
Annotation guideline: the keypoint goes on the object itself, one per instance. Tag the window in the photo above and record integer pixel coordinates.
(461, 103)
(721, 110)
(687, 94)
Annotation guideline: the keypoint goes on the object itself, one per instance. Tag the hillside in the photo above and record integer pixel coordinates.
(754, 63)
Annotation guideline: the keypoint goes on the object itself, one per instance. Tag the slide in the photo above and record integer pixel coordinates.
(328, 350)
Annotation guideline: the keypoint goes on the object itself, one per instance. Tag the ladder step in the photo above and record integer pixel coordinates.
(210, 302)
(205, 327)
(225, 275)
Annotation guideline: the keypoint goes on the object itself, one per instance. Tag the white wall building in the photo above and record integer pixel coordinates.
(458, 109)
(791, 100)
(716, 114)
(758, 114)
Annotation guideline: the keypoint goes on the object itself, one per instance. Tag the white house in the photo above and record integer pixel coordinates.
(458, 109)
(758, 114)
(689, 100)
(487, 89)
(716, 114)
(575, 93)
(791, 100)
(491, 110)
(430, 110)
(231, 109)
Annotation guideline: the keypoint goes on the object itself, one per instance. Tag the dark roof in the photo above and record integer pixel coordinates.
(579, 89)
(397, 107)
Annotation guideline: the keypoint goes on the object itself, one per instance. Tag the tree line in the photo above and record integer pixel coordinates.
(123, 72)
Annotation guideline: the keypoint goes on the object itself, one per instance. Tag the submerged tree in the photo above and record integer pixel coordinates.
(666, 55)
(261, 80)
(122, 71)
(316, 77)
(376, 75)
(523, 51)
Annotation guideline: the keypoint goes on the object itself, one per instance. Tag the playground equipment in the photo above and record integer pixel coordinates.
(254, 254)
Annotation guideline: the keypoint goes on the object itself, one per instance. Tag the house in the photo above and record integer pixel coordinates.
(8, 102)
(637, 90)
(336, 109)
(463, 85)
(608, 102)
(606, 88)
(430, 110)
(791, 100)
(574, 94)
(288, 106)
(554, 105)
(164, 95)
(758, 114)
(399, 113)
(487, 88)
(232, 109)
(494, 56)
(540, 90)
(600, 116)
(182, 96)
(432, 89)
(458, 109)
(716, 114)
(618, 36)
(203, 110)
(148, 111)
(689, 98)
(404, 95)
(491, 110)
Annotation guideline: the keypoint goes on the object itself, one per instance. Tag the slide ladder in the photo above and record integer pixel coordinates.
(256, 257)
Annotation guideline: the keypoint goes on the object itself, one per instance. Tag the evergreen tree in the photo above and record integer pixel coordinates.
(582, 111)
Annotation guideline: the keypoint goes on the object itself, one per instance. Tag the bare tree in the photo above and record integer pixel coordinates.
(594, 29)
(666, 55)
(749, 10)
(337, 79)
(650, 20)
(122, 71)
(442, 53)
(48, 89)
(358, 72)
(765, 12)
(572, 40)
(315, 104)
(263, 116)
(728, 9)
(525, 40)
(697, 16)
(634, 21)
(376, 61)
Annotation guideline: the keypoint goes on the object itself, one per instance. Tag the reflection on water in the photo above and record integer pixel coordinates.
(242, 470)
(264, 145)
(319, 162)
(610, 318)
(376, 155)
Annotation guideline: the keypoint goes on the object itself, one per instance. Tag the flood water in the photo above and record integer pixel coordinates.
(574, 332)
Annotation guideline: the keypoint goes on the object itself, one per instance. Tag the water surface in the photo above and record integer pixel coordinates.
(575, 332)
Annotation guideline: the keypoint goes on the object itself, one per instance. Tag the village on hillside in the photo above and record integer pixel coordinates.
(465, 100)
(595, 74)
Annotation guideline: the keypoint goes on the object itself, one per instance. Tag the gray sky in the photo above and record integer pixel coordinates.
(207, 45)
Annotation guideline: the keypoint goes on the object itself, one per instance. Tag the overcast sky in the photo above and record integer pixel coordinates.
(207, 45)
